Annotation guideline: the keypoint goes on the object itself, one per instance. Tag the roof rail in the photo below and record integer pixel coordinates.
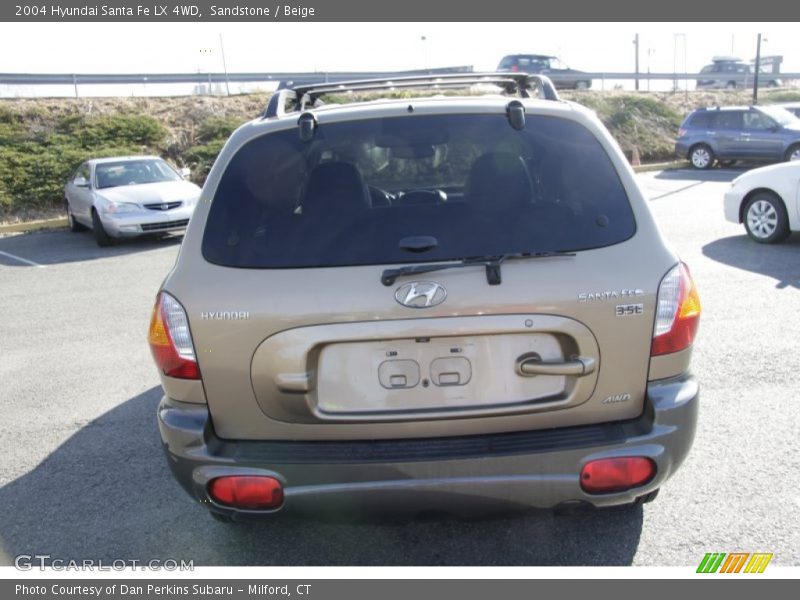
(302, 96)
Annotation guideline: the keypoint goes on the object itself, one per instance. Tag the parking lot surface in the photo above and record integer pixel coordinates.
(82, 473)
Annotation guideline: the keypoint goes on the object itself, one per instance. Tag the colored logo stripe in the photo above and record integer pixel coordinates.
(735, 561)
(710, 562)
(758, 563)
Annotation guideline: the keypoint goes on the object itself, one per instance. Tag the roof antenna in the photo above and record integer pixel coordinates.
(307, 124)
(515, 111)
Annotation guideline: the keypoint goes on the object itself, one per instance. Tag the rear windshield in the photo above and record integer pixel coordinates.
(415, 189)
(700, 119)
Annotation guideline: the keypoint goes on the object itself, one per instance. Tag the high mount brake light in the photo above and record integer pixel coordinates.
(677, 312)
(170, 339)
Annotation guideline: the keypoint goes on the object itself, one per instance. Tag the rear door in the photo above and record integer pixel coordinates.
(730, 135)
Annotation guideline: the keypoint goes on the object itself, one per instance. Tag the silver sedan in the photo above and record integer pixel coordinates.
(129, 196)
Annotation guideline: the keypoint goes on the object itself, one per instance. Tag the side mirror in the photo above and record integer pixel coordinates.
(80, 182)
(185, 172)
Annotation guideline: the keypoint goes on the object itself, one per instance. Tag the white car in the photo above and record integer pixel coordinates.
(766, 201)
(129, 196)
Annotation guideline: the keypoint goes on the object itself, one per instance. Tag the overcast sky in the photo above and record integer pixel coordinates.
(270, 46)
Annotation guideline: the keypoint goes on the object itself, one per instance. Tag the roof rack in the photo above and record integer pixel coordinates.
(297, 99)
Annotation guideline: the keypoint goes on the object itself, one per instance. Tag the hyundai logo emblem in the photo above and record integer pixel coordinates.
(420, 294)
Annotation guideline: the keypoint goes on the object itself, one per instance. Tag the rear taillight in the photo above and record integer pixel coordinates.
(610, 475)
(677, 312)
(170, 339)
(250, 492)
(514, 68)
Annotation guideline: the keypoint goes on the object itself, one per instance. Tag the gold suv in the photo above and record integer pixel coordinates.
(433, 301)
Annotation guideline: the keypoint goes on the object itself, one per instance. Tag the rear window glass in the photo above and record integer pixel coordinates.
(365, 192)
(702, 119)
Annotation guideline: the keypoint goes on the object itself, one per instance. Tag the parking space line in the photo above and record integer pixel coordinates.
(670, 193)
(20, 259)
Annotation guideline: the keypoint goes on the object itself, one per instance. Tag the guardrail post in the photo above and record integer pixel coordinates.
(75, 83)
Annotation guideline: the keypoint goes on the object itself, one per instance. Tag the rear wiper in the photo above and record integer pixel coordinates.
(492, 264)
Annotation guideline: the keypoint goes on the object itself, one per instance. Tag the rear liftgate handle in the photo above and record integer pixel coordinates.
(529, 365)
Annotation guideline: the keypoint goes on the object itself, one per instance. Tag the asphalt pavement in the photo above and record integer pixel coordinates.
(82, 473)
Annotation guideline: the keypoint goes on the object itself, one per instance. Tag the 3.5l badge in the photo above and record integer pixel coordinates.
(628, 310)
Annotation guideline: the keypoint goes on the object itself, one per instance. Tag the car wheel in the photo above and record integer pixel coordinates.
(647, 498)
(582, 85)
(765, 218)
(74, 225)
(100, 235)
(793, 153)
(731, 85)
(701, 156)
(727, 163)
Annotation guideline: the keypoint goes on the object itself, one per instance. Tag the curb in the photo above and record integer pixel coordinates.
(663, 166)
(34, 225)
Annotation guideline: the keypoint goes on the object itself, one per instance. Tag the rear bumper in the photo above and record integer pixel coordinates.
(515, 470)
(682, 149)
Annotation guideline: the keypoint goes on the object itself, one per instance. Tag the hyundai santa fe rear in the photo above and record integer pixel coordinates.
(436, 302)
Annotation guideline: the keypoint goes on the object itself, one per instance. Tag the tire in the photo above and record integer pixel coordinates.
(74, 225)
(582, 86)
(726, 164)
(765, 219)
(101, 237)
(793, 153)
(731, 85)
(701, 156)
(647, 498)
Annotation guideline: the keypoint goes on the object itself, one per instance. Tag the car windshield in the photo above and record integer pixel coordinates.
(133, 172)
(781, 115)
(415, 189)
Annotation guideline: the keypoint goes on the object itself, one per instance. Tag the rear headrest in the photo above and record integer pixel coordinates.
(333, 187)
(500, 179)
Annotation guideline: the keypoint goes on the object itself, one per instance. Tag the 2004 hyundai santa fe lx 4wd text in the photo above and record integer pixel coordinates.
(435, 302)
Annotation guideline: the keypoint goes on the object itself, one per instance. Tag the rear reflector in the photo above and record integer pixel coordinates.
(250, 492)
(170, 339)
(677, 312)
(616, 474)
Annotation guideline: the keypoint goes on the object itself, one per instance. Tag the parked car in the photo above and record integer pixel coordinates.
(730, 133)
(128, 196)
(563, 76)
(442, 303)
(766, 201)
(733, 73)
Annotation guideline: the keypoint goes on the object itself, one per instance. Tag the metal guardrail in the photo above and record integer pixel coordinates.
(306, 78)
(142, 78)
